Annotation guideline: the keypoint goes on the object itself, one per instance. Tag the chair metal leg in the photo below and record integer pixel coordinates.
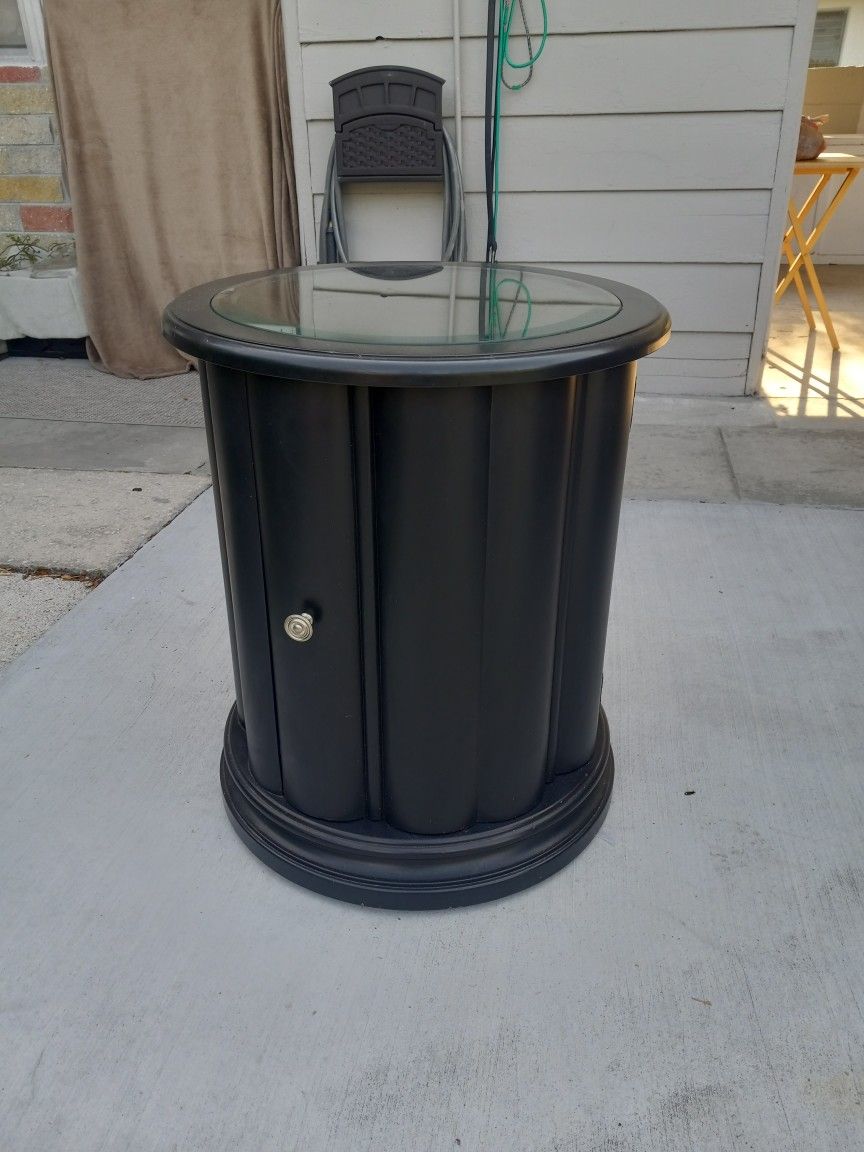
(801, 264)
(804, 243)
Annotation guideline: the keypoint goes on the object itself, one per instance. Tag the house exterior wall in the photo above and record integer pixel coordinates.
(852, 50)
(644, 149)
(33, 198)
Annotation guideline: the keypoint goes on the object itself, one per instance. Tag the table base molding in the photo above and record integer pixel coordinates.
(371, 862)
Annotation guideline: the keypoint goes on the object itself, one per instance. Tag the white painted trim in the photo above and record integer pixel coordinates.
(457, 77)
(703, 227)
(731, 70)
(299, 133)
(34, 28)
(364, 20)
(712, 151)
(34, 34)
(721, 53)
(802, 38)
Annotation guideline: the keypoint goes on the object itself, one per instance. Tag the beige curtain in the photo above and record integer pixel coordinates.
(174, 121)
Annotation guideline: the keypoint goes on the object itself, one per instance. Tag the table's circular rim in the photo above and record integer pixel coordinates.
(640, 327)
(366, 279)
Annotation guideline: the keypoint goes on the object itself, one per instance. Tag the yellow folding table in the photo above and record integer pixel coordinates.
(823, 168)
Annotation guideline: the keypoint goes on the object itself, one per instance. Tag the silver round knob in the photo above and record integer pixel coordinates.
(299, 626)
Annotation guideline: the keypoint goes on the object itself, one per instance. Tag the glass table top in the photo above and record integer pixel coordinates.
(416, 304)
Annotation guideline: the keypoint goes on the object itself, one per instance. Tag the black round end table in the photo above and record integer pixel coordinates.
(417, 471)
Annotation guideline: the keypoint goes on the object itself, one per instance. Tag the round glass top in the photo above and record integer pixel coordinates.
(416, 304)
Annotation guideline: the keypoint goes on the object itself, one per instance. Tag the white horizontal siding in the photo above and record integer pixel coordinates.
(697, 362)
(703, 300)
(691, 378)
(565, 227)
(737, 70)
(714, 345)
(613, 153)
(700, 297)
(404, 20)
(644, 149)
(703, 368)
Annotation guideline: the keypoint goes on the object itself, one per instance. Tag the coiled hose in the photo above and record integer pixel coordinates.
(332, 237)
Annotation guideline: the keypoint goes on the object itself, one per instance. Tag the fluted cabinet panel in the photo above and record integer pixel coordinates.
(530, 438)
(302, 452)
(220, 528)
(431, 470)
(238, 489)
(603, 414)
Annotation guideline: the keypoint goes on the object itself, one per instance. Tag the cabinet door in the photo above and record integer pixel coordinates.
(302, 452)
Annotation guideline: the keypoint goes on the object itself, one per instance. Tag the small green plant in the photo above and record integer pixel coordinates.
(24, 249)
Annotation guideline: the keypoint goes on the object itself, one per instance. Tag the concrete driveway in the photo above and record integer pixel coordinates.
(692, 981)
(91, 466)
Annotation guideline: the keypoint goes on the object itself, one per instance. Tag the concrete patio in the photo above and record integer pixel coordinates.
(91, 466)
(693, 981)
(803, 382)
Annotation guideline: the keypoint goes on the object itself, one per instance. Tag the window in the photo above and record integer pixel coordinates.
(828, 37)
(22, 32)
(11, 27)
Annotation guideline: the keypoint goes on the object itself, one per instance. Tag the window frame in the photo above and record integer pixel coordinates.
(844, 12)
(33, 24)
